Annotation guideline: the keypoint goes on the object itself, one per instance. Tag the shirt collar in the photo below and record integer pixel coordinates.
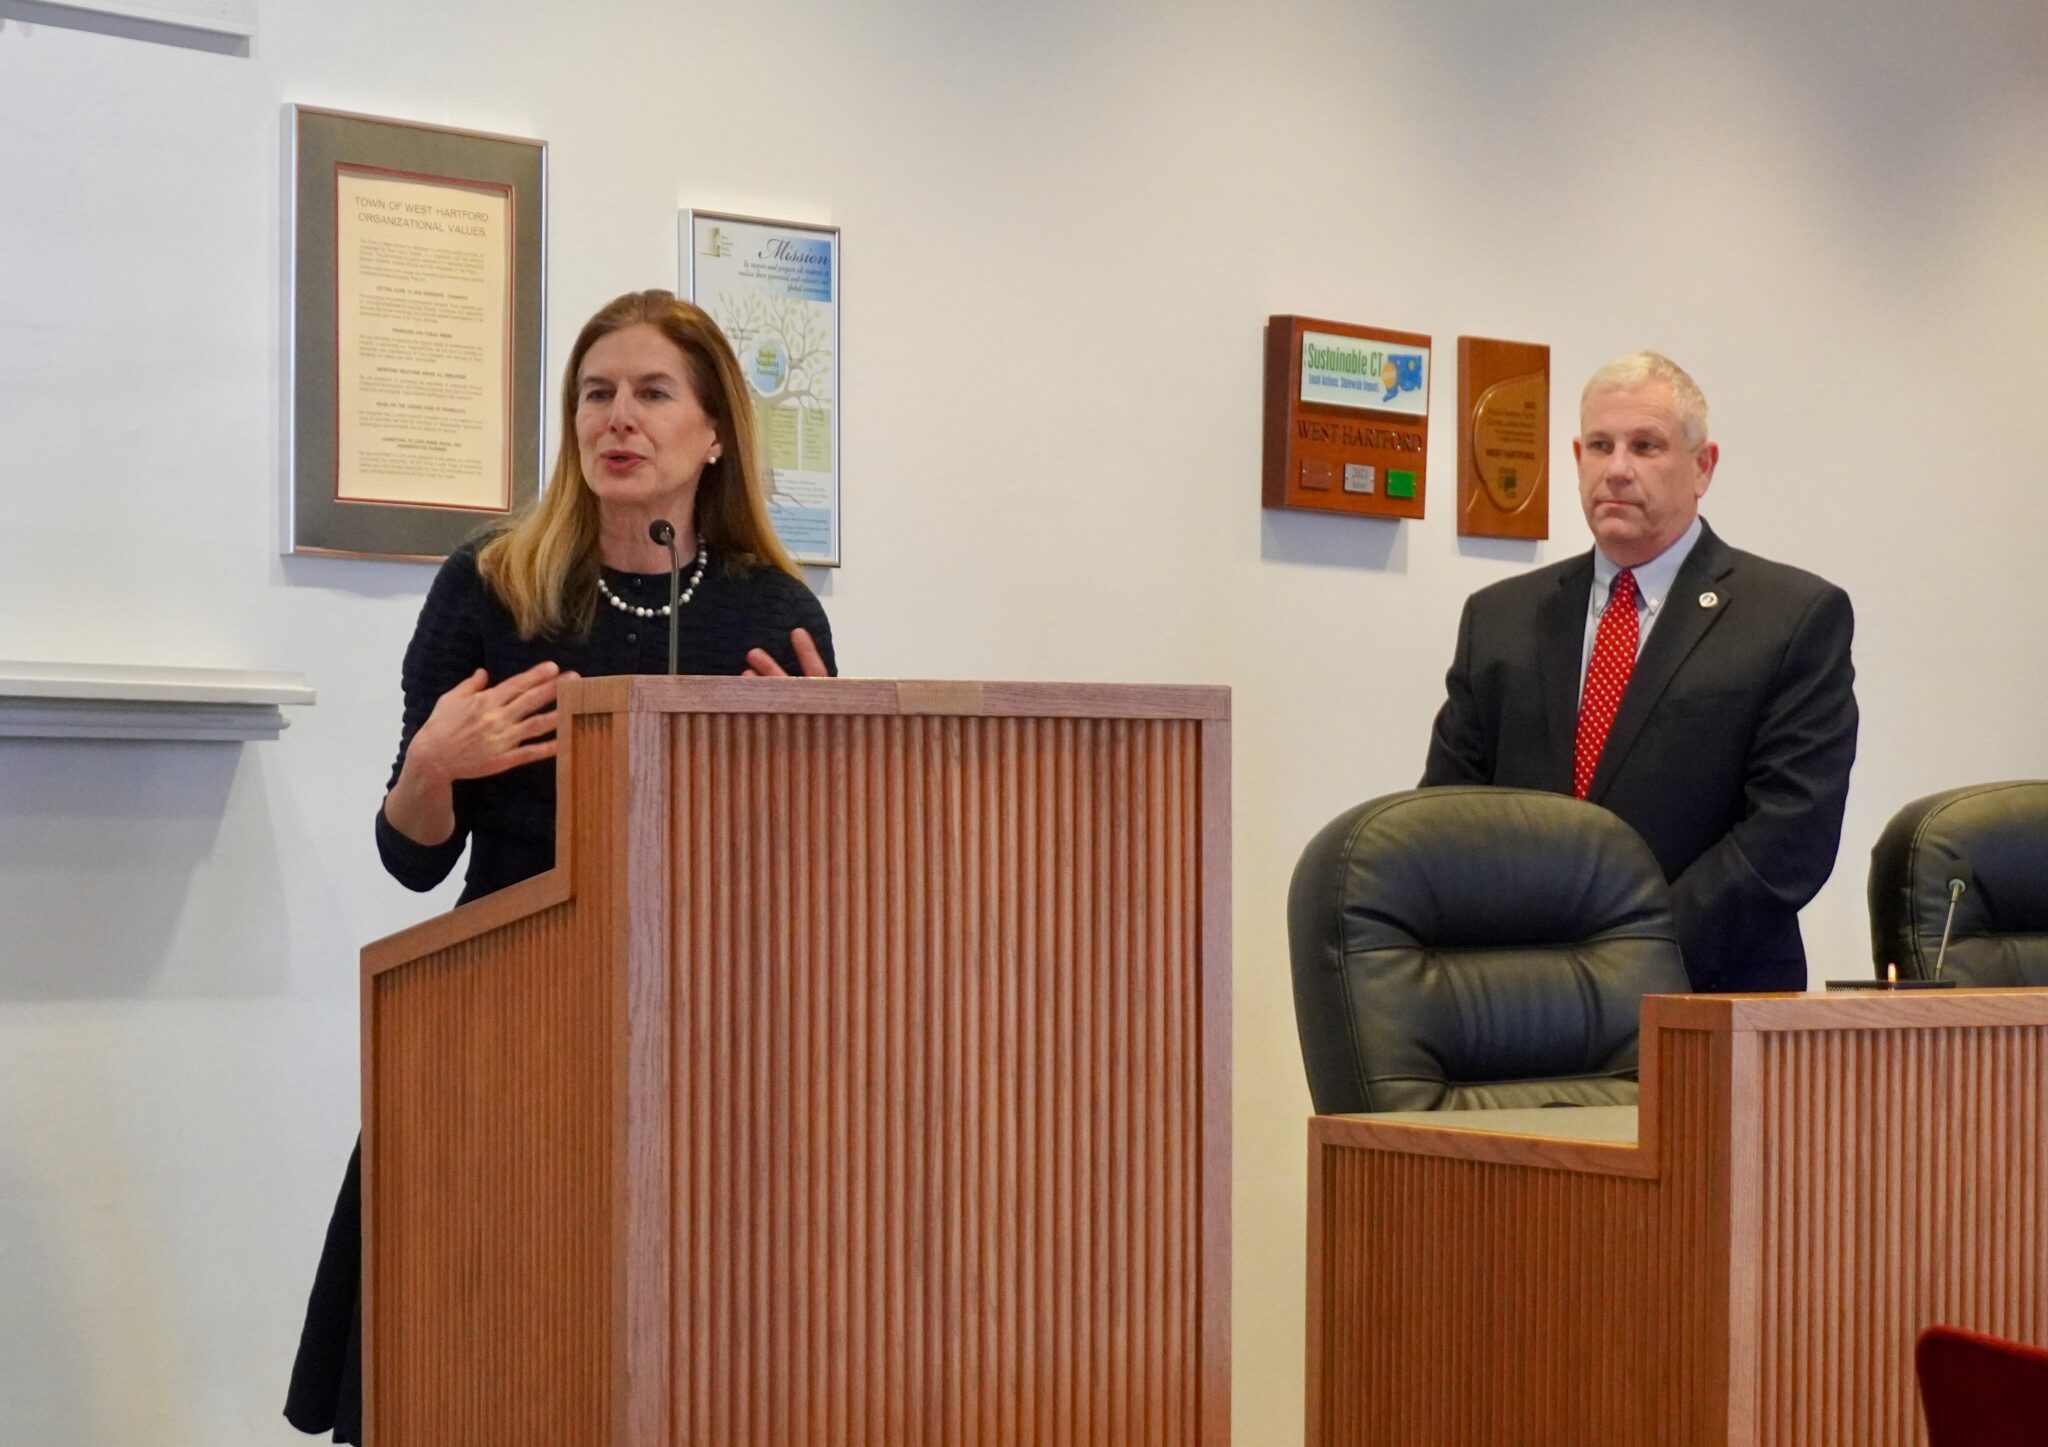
(1654, 578)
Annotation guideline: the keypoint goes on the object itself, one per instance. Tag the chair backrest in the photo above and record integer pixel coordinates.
(1981, 1391)
(1995, 838)
(1470, 947)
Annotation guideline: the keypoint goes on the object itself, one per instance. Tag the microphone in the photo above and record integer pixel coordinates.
(662, 533)
(1959, 880)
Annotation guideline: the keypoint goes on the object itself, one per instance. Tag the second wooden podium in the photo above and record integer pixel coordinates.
(858, 1075)
(1744, 1262)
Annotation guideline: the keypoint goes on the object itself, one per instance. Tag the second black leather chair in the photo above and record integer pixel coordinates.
(1476, 947)
(1995, 838)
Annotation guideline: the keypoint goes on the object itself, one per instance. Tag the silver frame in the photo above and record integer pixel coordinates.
(686, 244)
(314, 521)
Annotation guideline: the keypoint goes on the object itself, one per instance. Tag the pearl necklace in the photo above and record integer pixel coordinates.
(696, 577)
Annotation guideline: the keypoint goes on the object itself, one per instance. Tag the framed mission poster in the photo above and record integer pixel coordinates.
(773, 288)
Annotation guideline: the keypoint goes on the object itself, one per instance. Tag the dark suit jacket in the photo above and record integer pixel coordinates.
(1730, 753)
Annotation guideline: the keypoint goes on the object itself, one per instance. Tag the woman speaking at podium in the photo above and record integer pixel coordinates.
(657, 427)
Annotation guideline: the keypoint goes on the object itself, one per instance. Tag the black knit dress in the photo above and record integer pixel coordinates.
(508, 823)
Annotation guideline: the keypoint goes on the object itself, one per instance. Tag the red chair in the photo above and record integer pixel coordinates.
(1981, 1391)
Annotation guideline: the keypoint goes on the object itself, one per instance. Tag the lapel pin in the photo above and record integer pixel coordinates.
(1709, 599)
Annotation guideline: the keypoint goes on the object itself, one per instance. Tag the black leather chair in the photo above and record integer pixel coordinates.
(1466, 948)
(1995, 838)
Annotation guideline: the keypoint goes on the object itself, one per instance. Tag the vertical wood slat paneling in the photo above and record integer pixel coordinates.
(941, 1006)
(1467, 1303)
(489, 1189)
(956, 1194)
(1903, 1186)
(1822, 1195)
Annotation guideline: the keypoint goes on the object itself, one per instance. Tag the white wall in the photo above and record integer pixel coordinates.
(1065, 224)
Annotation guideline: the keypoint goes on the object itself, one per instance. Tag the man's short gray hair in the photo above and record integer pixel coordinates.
(1639, 368)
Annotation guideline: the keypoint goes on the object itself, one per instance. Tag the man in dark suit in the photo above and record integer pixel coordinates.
(1713, 709)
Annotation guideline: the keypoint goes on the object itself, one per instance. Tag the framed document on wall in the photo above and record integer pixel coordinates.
(415, 396)
(773, 288)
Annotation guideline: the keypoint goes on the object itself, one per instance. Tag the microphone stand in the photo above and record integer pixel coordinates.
(663, 533)
(1955, 893)
(1958, 882)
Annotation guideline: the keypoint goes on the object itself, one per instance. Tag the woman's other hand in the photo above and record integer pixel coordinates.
(760, 664)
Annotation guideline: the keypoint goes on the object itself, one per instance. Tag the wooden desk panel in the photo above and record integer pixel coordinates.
(1814, 1180)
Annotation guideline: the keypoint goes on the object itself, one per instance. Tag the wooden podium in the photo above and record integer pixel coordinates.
(1810, 1181)
(859, 1074)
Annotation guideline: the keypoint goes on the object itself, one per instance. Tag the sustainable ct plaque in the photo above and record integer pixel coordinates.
(1347, 418)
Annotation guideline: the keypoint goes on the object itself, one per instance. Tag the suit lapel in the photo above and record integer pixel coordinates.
(1561, 639)
(1680, 627)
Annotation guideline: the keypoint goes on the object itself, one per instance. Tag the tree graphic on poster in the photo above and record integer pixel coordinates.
(801, 329)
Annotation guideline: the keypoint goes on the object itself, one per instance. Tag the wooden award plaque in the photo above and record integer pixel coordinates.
(1347, 418)
(1503, 439)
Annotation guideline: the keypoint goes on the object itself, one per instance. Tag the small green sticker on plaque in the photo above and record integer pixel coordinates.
(1400, 483)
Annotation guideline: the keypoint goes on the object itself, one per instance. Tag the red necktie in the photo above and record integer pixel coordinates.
(1614, 659)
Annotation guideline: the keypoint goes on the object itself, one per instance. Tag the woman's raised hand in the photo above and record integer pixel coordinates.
(479, 728)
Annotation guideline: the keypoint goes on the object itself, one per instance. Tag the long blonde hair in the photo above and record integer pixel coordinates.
(543, 563)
